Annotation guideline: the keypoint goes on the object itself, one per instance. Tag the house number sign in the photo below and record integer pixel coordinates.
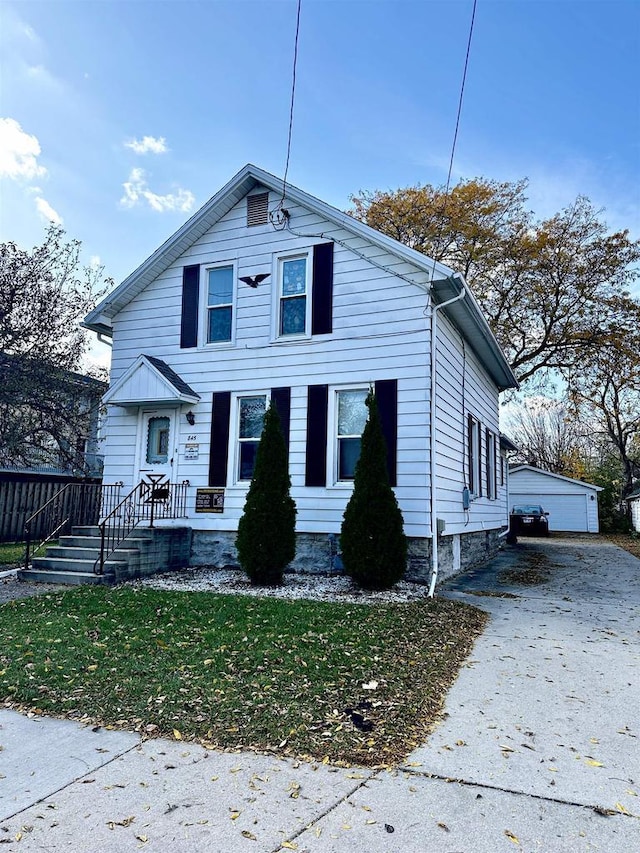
(209, 500)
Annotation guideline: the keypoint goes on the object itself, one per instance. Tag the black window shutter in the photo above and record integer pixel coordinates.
(322, 290)
(470, 451)
(219, 450)
(189, 321)
(487, 436)
(316, 463)
(479, 428)
(387, 397)
(281, 399)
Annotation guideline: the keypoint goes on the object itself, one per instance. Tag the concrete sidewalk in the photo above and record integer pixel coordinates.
(538, 750)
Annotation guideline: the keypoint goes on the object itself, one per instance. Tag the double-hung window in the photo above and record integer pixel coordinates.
(251, 412)
(219, 304)
(351, 418)
(293, 301)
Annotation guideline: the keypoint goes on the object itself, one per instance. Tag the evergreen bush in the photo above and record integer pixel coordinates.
(374, 547)
(266, 540)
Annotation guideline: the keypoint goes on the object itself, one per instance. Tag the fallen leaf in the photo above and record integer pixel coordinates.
(443, 826)
(593, 763)
(370, 685)
(246, 834)
(622, 809)
(235, 814)
(289, 845)
(142, 838)
(511, 836)
(177, 734)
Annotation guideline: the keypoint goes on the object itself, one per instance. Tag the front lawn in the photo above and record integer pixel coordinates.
(322, 680)
(11, 555)
(629, 541)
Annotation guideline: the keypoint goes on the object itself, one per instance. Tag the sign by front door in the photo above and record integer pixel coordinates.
(191, 451)
(209, 500)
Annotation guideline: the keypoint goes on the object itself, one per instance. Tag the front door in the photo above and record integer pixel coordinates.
(157, 444)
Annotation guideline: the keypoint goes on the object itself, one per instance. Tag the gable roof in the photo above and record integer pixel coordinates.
(442, 281)
(150, 381)
(535, 470)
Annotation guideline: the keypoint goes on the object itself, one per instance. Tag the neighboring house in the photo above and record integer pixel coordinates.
(258, 298)
(634, 506)
(572, 504)
(59, 433)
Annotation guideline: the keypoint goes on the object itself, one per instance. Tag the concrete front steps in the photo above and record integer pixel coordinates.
(145, 551)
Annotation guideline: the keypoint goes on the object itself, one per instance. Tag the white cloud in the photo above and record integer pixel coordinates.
(148, 145)
(136, 191)
(19, 152)
(47, 212)
(95, 262)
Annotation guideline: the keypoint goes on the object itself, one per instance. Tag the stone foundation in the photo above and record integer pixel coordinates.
(317, 553)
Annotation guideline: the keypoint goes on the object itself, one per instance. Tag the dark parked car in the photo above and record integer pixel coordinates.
(528, 520)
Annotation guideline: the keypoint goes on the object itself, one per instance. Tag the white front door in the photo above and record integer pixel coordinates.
(157, 448)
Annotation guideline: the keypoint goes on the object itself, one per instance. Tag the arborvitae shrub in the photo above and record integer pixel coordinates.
(374, 547)
(266, 540)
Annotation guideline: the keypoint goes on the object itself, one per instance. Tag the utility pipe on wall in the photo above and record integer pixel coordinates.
(432, 426)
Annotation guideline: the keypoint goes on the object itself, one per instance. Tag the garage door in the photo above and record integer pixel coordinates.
(566, 512)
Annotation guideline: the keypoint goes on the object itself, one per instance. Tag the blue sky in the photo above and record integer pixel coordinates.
(551, 94)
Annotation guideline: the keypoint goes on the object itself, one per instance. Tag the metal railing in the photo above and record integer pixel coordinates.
(148, 501)
(72, 505)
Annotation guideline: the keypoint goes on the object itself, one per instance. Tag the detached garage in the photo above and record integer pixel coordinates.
(572, 505)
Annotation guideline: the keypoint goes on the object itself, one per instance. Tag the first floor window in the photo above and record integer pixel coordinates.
(250, 423)
(352, 416)
(219, 304)
(292, 318)
(491, 465)
(473, 451)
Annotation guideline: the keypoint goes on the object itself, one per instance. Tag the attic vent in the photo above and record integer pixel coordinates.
(258, 209)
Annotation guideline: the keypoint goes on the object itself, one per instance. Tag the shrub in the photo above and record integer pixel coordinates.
(374, 547)
(266, 540)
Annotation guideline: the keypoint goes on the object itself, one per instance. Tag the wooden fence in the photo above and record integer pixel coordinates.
(22, 494)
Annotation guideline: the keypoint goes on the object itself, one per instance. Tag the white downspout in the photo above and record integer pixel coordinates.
(432, 428)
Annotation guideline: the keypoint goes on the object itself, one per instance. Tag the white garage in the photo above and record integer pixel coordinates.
(572, 505)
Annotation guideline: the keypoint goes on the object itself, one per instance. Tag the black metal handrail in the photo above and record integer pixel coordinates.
(145, 502)
(73, 504)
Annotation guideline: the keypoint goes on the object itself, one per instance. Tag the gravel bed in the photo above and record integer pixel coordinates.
(11, 588)
(312, 587)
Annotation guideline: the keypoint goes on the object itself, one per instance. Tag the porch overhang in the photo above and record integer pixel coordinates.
(150, 382)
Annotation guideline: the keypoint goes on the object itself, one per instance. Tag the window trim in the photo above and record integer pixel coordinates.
(204, 303)
(333, 454)
(233, 468)
(278, 266)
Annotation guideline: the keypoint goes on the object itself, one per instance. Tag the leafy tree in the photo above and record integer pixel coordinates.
(609, 389)
(550, 436)
(552, 290)
(44, 293)
(266, 540)
(374, 547)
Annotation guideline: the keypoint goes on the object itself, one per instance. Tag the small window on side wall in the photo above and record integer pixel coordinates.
(219, 304)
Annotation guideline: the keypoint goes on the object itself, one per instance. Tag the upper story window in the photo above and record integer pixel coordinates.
(293, 292)
(219, 304)
(251, 412)
(351, 418)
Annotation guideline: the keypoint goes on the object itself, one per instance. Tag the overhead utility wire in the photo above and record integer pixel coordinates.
(455, 135)
(293, 95)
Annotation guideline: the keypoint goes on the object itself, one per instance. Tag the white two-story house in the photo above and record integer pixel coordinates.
(260, 297)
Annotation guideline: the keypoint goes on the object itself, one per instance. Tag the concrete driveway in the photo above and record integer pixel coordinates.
(538, 748)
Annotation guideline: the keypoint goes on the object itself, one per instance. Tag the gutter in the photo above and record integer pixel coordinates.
(432, 425)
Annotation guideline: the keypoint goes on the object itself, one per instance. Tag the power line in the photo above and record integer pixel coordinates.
(293, 95)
